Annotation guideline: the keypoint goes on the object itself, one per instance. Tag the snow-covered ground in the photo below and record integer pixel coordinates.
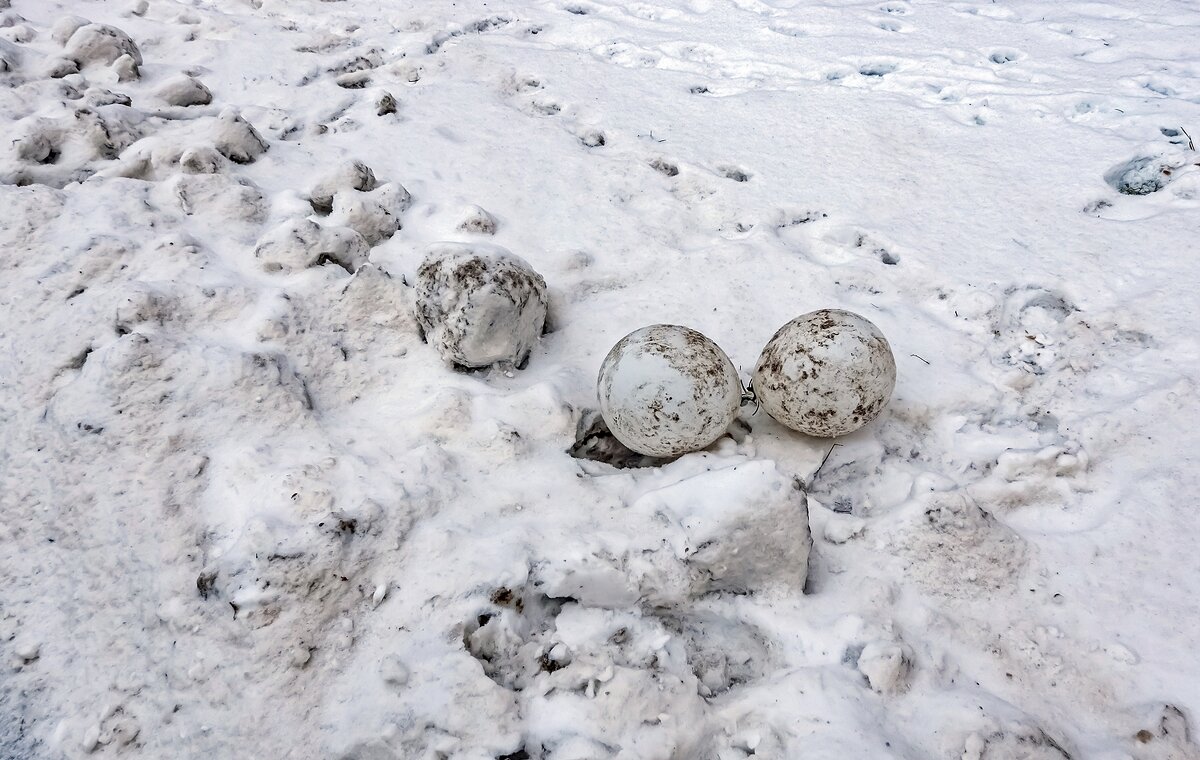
(246, 512)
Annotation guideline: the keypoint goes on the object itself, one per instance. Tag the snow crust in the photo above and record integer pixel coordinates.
(246, 512)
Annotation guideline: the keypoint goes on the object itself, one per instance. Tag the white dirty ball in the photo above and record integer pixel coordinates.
(666, 390)
(479, 304)
(826, 373)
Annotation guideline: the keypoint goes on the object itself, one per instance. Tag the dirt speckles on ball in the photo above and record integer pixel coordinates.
(666, 390)
(826, 373)
(479, 304)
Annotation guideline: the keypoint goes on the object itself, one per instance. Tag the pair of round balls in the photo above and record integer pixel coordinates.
(666, 390)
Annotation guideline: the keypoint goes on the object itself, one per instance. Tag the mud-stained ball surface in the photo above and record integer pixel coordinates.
(666, 390)
(826, 373)
(479, 305)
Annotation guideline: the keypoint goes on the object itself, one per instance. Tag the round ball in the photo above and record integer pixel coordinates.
(826, 373)
(666, 390)
(479, 305)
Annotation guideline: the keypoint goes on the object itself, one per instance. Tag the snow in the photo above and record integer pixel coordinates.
(246, 512)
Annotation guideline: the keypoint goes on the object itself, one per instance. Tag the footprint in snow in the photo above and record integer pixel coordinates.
(593, 138)
(664, 167)
(787, 30)
(545, 108)
(734, 173)
(876, 69)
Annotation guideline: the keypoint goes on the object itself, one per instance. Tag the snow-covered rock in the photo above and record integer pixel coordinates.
(10, 56)
(200, 160)
(56, 67)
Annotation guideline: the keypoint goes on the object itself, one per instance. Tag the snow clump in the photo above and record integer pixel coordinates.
(100, 43)
(479, 305)
(184, 91)
(302, 243)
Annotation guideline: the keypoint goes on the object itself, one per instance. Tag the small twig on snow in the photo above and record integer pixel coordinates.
(813, 478)
(1191, 145)
(922, 358)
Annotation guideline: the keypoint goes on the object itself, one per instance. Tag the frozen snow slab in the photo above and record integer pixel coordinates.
(706, 525)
